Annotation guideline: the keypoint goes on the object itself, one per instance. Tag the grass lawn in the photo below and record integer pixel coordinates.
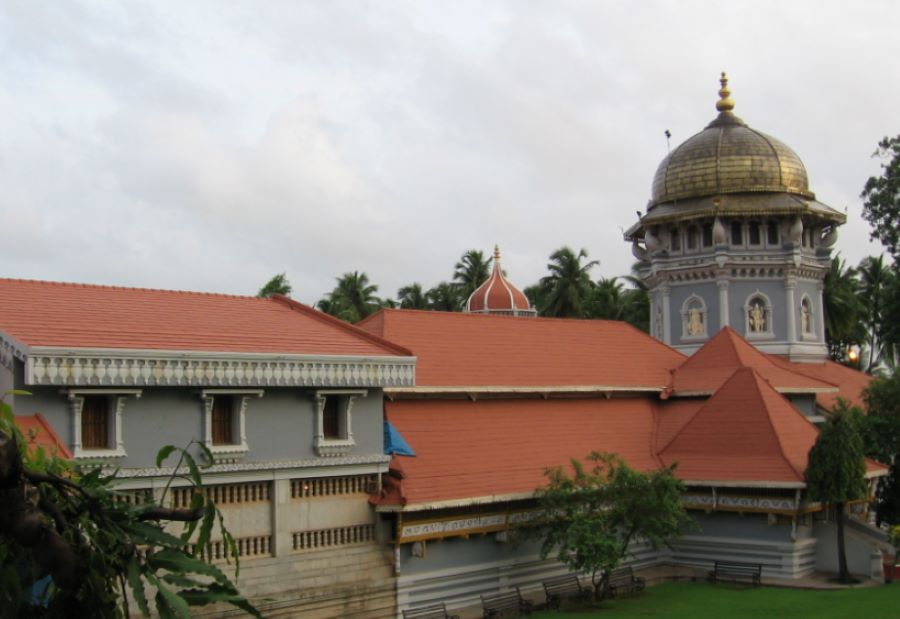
(691, 600)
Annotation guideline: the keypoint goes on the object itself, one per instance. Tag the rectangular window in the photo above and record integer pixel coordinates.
(737, 233)
(223, 420)
(772, 236)
(675, 239)
(753, 233)
(692, 237)
(95, 422)
(331, 418)
(707, 235)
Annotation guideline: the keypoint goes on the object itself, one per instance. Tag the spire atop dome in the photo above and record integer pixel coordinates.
(725, 102)
(498, 296)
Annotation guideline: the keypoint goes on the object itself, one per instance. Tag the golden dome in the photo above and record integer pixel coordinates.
(728, 157)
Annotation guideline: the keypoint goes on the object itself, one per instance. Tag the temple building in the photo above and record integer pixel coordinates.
(368, 469)
(733, 236)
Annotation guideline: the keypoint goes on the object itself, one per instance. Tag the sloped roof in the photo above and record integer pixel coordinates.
(39, 433)
(850, 382)
(483, 450)
(746, 431)
(53, 314)
(476, 350)
(708, 368)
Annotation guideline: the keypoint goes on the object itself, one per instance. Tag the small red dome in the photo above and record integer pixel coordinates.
(498, 296)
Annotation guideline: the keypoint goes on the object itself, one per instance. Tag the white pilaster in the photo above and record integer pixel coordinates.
(723, 302)
(667, 318)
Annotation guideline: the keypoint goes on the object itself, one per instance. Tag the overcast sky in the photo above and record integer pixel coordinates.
(209, 145)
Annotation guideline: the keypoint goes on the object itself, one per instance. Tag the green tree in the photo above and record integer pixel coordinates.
(277, 285)
(567, 289)
(843, 309)
(589, 518)
(880, 429)
(352, 299)
(412, 297)
(607, 300)
(836, 470)
(881, 194)
(68, 526)
(445, 297)
(470, 272)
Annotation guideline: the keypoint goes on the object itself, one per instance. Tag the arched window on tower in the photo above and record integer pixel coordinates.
(693, 318)
(758, 316)
(807, 324)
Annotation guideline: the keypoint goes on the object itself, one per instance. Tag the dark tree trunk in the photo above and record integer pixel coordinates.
(844, 573)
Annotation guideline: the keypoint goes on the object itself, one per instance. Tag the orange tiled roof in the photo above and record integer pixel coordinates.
(487, 448)
(850, 382)
(476, 350)
(746, 431)
(708, 368)
(39, 313)
(39, 433)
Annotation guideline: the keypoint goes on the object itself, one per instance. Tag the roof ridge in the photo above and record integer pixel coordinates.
(297, 306)
(757, 383)
(132, 288)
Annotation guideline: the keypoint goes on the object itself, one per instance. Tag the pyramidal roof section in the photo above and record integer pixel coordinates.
(746, 432)
(708, 368)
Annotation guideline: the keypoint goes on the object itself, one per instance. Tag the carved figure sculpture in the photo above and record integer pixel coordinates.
(695, 321)
(757, 317)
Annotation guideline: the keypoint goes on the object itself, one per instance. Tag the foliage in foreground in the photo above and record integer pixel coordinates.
(71, 546)
(589, 518)
(836, 470)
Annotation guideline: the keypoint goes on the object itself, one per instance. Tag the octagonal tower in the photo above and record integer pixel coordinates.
(733, 236)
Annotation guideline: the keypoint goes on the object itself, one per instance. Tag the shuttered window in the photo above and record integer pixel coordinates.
(95, 422)
(222, 420)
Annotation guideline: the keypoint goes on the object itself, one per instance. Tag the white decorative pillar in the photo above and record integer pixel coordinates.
(667, 318)
(820, 318)
(789, 285)
(723, 303)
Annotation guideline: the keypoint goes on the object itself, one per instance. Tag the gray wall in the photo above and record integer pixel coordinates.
(710, 295)
(740, 290)
(280, 425)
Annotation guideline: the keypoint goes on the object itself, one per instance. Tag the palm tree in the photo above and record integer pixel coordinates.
(277, 285)
(352, 299)
(444, 297)
(412, 297)
(471, 271)
(843, 309)
(875, 282)
(568, 287)
(607, 300)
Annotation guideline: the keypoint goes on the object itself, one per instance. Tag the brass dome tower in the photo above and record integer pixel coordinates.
(733, 235)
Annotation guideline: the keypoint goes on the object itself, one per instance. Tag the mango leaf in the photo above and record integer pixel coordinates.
(177, 561)
(164, 453)
(209, 519)
(216, 593)
(133, 573)
(207, 454)
(228, 540)
(192, 467)
(176, 605)
(180, 580)
(148, 533)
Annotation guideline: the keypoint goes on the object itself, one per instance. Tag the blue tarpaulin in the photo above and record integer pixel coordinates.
(394, 442)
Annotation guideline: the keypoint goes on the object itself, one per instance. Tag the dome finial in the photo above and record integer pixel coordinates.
(725, 102)
(496, 253)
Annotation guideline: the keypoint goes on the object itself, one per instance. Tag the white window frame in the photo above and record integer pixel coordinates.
(704, 310)
(240, 400)
(117, 398)
(330, 447)
(769, 333)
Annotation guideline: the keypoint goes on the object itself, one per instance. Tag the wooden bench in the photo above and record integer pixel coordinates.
(734, 571)
(505, 604)
(623, 580)
(564, 588)
(435, 611)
